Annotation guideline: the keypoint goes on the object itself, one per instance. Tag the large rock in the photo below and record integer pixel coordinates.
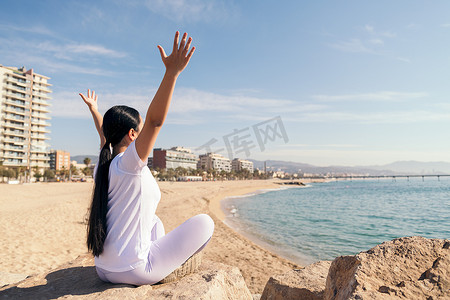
(404, 268)
(307, 283)
(78, 279)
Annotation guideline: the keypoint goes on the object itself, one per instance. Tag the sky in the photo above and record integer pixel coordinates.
(354, 83)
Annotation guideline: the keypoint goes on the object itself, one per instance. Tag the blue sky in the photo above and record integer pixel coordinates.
(352, 82)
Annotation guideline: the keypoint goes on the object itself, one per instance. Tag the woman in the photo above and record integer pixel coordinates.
(124, 234)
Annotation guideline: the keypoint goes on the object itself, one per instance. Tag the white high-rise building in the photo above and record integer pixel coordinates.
(214, 161)
(173, 158)
(24, 103)
(241, 164)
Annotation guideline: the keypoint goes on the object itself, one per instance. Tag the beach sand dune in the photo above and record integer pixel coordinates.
(43, 226)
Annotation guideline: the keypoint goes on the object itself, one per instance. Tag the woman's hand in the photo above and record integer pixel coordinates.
(90, 100)
(180, 56)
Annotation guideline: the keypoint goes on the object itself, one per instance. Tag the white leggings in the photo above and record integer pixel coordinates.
(167, 252)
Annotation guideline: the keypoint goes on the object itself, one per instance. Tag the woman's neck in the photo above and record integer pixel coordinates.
(118, 149)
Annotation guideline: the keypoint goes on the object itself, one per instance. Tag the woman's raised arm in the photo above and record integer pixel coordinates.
(91, 102)
(157, 111)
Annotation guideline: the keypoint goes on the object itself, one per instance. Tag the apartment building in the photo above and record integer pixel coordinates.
(24, 110)
(214, 161)
(60, 160)
(241, 164)
(173, 158)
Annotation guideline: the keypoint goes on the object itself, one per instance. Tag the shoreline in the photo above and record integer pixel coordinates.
(215, 202)
(218, 203)
(275, 185)
(270, 184)
(238, 226)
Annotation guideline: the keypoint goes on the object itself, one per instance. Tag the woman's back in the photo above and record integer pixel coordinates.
(133, 196)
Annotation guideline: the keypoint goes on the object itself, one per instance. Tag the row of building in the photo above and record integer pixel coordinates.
(181, 157)
(169, 159)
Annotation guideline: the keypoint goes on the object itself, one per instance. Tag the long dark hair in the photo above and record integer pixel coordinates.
(117, 122)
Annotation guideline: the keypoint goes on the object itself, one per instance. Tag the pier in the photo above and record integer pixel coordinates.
(393, 177)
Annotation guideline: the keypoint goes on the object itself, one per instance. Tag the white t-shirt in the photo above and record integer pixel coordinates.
(133, 196)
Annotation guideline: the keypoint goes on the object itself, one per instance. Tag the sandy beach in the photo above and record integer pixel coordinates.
(43, 226)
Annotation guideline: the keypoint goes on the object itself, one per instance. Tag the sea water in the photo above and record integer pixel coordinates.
(326, 220)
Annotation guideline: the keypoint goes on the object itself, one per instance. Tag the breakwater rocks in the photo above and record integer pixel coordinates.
(404, 268)
(298, 183)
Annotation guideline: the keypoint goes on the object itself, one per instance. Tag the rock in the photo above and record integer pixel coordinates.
(213, 281)
(307, 283)
(79, 279)
(404, 268)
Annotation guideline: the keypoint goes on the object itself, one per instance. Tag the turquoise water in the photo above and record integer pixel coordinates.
(325, 220)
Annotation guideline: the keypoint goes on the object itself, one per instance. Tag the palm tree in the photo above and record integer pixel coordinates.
(37, 173)
(180, 171)
(22, 172)
(87, 161)
(73, 170)
(49, 174)
(63, 172)
(87, 171)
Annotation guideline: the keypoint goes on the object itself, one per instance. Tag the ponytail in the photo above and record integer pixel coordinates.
(117, 121)
(97, 219)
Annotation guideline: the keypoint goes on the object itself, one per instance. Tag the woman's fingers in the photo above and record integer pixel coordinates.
(162, 52)
(190, 53)
(183, 42)
(181, 54)
(175, 41)
(186, 48)
(91, 96)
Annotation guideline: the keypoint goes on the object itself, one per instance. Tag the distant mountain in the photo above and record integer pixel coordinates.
(416, 167)
(80, 158)
(396, 168)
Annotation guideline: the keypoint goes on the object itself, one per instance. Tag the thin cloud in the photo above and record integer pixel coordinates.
(388, 34)
(54, 57)
(400, 117)
(46, 66)
(32, 29)
(191, 10)
(190, 100)
(338, 146)
(412, 26)
(370, 43)
(404, 59)
(371, 30)
(352, 46)
(93, 50)
(186, 103)
(376, 41)
(64, 50)
(378, 96)
(69, 103)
